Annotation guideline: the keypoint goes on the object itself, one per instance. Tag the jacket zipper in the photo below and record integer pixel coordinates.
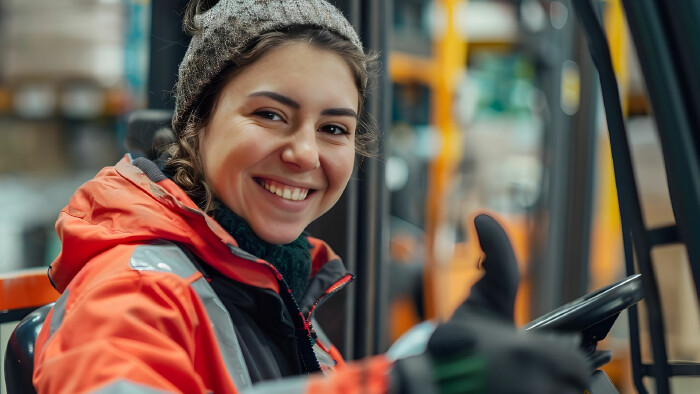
(334, 288)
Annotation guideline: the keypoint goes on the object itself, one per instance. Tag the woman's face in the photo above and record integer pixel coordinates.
(280, 146)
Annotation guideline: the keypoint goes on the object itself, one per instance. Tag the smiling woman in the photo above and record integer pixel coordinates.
(194, 114)
(193, 273)
(278, 132)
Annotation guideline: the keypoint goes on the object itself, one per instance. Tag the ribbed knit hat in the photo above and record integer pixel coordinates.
(229, 26)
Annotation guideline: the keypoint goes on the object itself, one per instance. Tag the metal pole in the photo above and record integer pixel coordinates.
(376, 26)
(359, 223)
(553, 49)
(634, 232)
(574, 282)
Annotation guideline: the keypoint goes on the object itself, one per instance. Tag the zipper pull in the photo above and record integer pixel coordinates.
(312, 332)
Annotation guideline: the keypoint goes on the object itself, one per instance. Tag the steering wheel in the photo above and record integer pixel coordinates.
(593, 314)
(592, 308)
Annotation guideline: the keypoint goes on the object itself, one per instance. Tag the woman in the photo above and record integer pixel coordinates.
(193, 274)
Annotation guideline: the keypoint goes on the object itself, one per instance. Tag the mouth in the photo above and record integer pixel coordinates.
(287, 192)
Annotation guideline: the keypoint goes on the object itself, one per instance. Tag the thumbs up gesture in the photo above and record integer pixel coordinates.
(479, 349)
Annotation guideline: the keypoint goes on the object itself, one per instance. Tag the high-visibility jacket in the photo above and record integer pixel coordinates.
(157, 296)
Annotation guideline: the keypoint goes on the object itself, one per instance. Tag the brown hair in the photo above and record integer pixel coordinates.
(184, 161)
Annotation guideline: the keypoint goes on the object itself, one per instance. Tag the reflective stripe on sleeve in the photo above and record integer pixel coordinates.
(168, 257)
(293, 385)
(124, 386)
(59, 309)
(225, 333)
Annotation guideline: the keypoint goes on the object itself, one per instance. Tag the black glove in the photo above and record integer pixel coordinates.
(479, 349)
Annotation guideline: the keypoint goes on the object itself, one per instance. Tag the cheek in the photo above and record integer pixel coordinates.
(227, 151)
(340, 165)
(221, 163)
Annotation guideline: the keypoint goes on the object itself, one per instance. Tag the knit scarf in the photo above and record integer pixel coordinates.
(292, 260)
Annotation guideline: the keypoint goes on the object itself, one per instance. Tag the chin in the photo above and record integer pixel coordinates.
(277, 237)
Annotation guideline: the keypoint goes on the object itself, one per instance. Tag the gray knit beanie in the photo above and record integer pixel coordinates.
(229, 26)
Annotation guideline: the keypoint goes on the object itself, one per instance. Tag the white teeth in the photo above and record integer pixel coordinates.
(284, 191)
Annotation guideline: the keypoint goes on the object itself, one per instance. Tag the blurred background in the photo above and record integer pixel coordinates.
(484, 105)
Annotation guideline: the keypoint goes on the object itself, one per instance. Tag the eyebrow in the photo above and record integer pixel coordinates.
(277, 97)
(289, 102)
(339, 112)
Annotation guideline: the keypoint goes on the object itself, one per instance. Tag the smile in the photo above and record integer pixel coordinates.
(285, 191)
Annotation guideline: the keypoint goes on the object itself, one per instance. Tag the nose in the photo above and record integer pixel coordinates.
(302, 151)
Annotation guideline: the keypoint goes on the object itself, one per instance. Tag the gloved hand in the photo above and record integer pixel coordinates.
(479, 350)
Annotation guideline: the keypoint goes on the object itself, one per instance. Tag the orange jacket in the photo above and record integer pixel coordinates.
(136, 316)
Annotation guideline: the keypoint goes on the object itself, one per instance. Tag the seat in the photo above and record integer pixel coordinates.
(148, 129)
(19, 356)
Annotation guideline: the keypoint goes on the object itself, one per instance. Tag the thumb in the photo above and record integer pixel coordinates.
(496, 290)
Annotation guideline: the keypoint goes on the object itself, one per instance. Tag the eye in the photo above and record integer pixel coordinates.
(333, 129)
(269, 115)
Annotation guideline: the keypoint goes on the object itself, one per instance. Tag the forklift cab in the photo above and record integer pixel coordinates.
(669, 62)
